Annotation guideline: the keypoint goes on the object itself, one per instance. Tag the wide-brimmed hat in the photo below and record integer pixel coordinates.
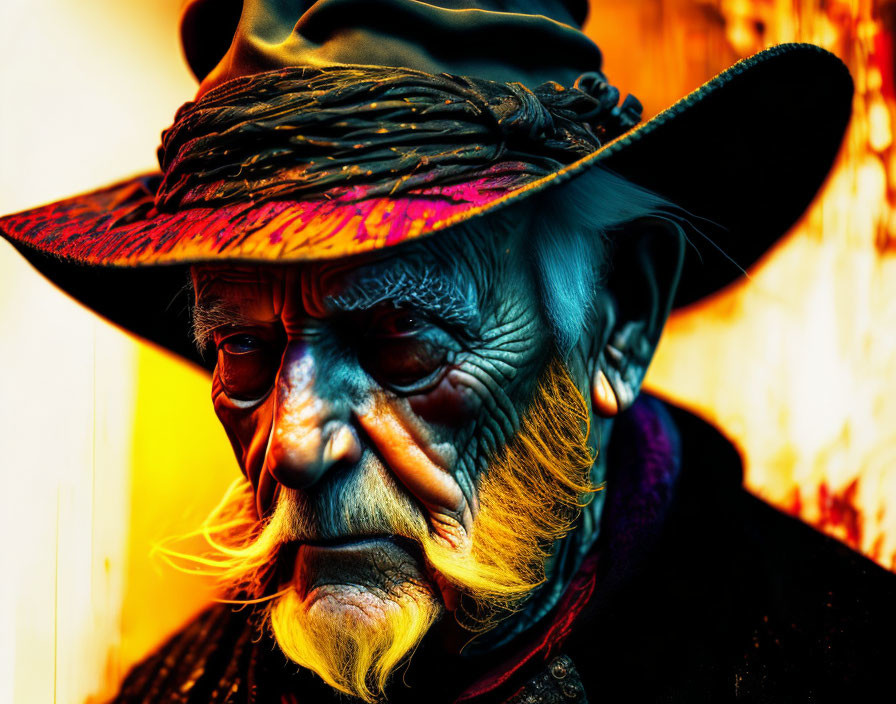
(353, 125)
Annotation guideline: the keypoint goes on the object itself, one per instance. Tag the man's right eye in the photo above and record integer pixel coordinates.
(246, 367)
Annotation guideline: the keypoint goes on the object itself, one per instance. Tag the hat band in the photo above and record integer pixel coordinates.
(301, 132)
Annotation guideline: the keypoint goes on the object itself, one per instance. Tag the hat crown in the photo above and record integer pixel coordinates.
(528, 41)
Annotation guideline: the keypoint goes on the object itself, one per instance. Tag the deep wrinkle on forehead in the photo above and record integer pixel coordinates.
(241, 295)
(448, 277)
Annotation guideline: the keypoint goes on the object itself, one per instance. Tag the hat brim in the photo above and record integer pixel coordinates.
(744, 154)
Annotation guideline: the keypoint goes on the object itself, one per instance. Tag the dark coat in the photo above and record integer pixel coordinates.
(730, 601)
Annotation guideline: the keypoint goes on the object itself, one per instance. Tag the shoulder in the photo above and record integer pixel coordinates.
(824, 615)
(739, 599)
(818, 614)
(792, 565)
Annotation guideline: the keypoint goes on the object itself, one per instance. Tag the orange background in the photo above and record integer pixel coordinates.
(109, 445)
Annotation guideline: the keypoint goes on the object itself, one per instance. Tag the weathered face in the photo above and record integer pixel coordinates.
(419, 361)
(365, 399)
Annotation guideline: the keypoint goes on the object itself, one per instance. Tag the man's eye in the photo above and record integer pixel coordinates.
(404, 351)
(399, 323)
(242, 344)
(247, 366)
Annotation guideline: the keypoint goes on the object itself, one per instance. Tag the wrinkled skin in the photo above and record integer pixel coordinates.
(416, 362)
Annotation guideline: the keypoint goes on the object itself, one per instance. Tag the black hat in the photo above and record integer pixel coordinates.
(343, 126)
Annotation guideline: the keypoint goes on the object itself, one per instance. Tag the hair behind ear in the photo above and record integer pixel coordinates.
(569, 233)
(568, 264)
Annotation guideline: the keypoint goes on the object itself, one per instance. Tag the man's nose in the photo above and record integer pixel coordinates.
(310, 433)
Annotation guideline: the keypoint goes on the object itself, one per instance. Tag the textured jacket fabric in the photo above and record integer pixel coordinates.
(695, 592)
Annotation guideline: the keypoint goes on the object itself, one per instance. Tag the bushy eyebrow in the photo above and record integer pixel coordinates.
(212, 313)
(426, 291)
(400, 287)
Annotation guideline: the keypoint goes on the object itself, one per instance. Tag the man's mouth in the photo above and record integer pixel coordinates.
(360, 542)
(381, 565)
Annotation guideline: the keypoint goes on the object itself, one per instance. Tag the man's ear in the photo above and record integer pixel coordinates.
(644, 268)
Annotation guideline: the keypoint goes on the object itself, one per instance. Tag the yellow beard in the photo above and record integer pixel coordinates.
(529, 497)
(352, 653)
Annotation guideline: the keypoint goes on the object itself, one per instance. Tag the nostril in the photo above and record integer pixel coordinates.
(299, 460)
(342, 446)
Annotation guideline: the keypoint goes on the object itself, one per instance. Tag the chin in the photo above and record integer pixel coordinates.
(358, 608)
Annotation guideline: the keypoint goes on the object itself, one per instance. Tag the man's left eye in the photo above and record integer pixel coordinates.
(404, 351)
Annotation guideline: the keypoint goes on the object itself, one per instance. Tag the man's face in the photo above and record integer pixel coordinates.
(364, 400)
(417, 361)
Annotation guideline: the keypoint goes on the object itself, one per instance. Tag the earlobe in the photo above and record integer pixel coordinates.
(603, 398)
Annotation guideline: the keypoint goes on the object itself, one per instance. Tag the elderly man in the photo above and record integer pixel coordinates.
(430, 261)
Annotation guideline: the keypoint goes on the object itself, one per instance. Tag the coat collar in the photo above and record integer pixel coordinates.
(644, 463)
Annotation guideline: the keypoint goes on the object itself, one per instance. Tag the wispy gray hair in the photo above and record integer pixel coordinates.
(571, 244)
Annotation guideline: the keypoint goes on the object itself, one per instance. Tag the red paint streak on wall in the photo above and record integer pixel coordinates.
(839, 512)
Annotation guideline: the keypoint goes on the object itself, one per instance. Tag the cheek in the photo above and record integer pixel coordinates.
(248, 430)
(453, 403)
(454, 409)
(452, 412)
(426, 466)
